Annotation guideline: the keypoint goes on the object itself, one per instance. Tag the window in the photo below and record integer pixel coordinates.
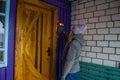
(4, 28)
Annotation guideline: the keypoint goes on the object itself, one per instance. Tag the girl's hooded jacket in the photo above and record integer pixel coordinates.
(72, 59)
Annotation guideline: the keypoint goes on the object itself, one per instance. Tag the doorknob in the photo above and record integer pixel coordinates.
(48, 51)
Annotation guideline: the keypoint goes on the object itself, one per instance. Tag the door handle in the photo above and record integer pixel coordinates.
(48, 51)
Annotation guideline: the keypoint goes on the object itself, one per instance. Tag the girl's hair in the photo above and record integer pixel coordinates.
(68, 42)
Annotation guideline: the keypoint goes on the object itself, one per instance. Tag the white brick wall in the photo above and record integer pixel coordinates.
(97, 61)
(109, 24)
(102, 37)
(115, 44)
(99, 13)
(92, 31)
(105, 18)
(87, 15)
(89, 26)
(117, 23)
(91, 9)
(115, 57)
(103, 6)
(98, 37)
(88, 37)
(109, 50)
(99, 2)
(112, 11)
(102, 56)
(91, 43)
(93, 19)
(79, 16)
(88, 4)
(115, 30)
(91, 54)
(86, 59)
(116, 17)
(115, 3)
(109, 63)
(110, 37)
(86, 48)
(102, 43)
(102, 31)
(96, 49)
(101, 25)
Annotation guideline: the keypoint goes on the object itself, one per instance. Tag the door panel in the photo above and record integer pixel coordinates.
(35, 48)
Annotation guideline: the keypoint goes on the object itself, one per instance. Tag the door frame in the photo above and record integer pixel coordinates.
(18, 39)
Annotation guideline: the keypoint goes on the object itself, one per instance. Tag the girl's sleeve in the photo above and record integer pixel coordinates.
(69, 60)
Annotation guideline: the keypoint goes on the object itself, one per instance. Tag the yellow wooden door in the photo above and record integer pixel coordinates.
(35, 44)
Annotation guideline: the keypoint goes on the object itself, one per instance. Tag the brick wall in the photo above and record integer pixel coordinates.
(102, 38)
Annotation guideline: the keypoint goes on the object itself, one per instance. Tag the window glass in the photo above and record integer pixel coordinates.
(1, 56)
(2, 6)
(2, 31)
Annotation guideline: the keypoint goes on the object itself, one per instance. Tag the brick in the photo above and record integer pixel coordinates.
(112, 11)
(115, 57)
(98, 37)
(92, 31)
(74, 3)
(93, 19)
(73, 8)
(102, 43)
(117, 24)
(86, 48)
(96, 49)
(116, 17)
(91, 43)
(97, 61)
(101, 25)
(109, 24)
(74, 12)
(117, 50)
(102, 56)
(115, 30)
(79, 16)
(87, 15)
(88, 4)
(91, 9)
(102, 31)
(99, 13)
(110, 37)
(74, 22)
(115, 44)
(109, 0)
(99, 2)
(82, 21)
(83, 53)
(88, 37)
(105, 18)
(72, 18)
(90, 26)
(103, 6)
(109, 63)
(91, 54)
(86, 59)
(80, 6)
(82, 1)
(109, 50)
(115, 4)
(119, 37)
(82, 10)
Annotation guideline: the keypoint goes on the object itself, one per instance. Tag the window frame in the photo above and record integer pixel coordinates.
(6, 31)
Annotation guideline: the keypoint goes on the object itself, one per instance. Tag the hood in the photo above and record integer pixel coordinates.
(79, 38)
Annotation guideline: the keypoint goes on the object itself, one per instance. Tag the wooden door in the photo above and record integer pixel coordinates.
(35, 43)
